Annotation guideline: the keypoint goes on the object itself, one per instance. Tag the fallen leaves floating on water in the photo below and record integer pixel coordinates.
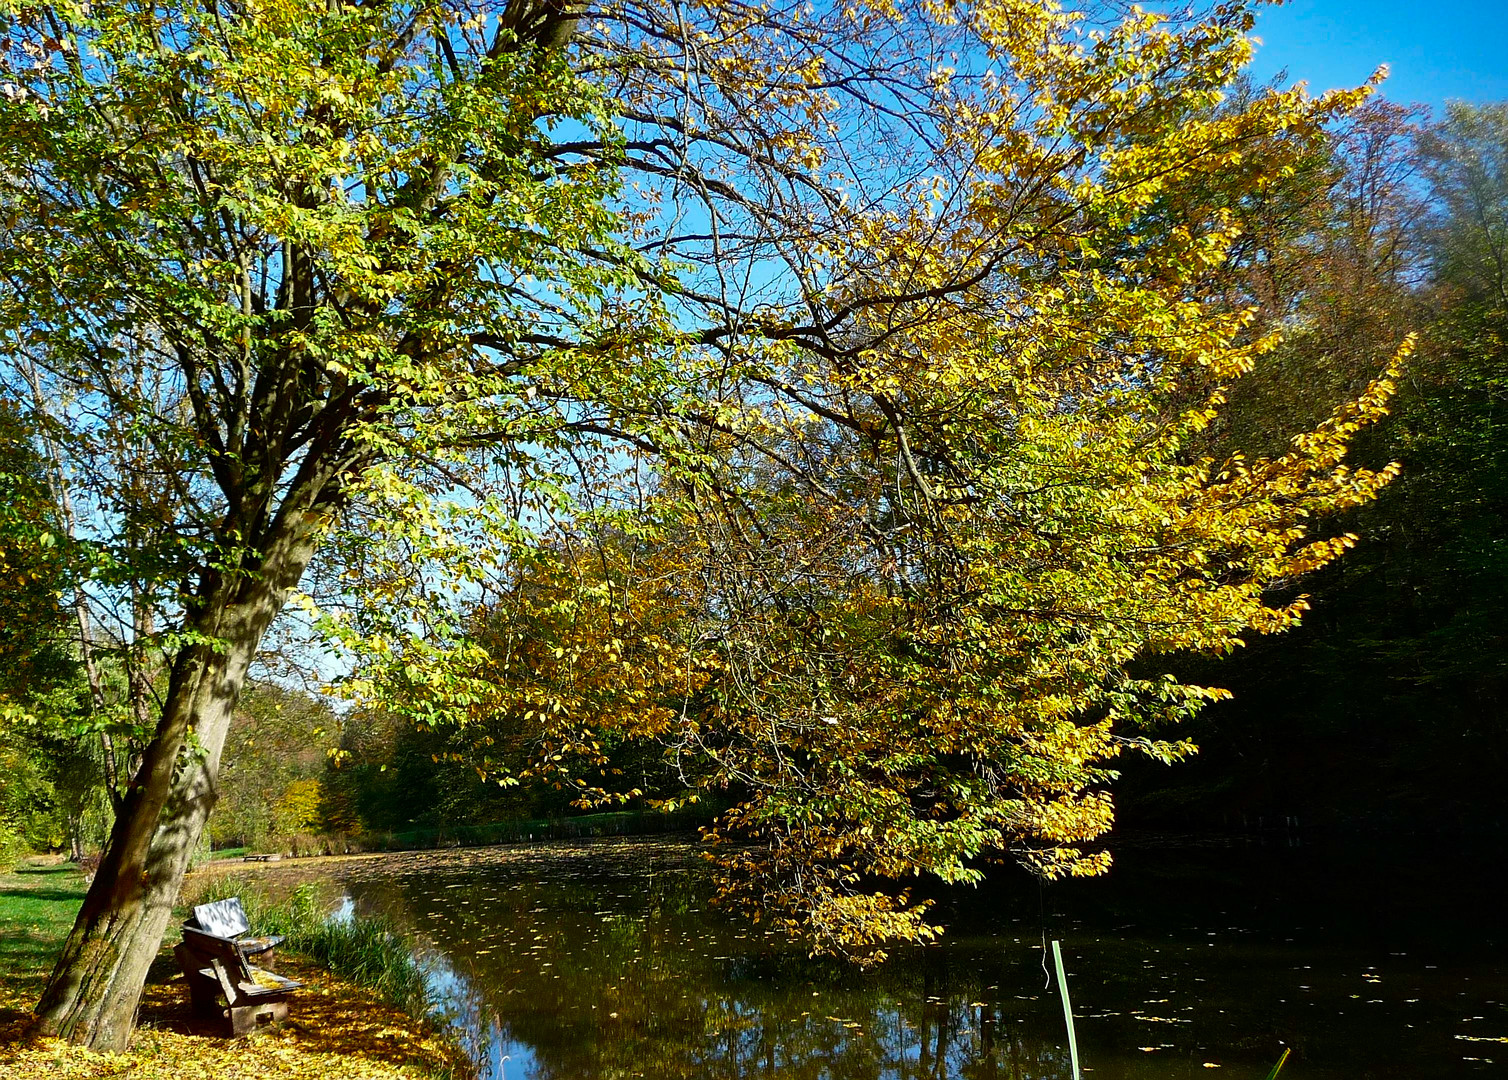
(563, 860)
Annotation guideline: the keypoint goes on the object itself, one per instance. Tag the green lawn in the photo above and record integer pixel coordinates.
(37, 906)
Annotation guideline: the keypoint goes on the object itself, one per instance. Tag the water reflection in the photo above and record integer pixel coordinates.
(575, 964)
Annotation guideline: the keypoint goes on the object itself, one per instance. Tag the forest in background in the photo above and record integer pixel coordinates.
(1384, 710)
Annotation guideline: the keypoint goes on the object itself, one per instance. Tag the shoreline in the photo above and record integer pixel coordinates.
(335, 1029)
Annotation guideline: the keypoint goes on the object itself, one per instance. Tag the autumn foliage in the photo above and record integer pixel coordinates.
(902, 574)
(814, 394)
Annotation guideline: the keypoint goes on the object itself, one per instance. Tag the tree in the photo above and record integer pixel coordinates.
(33, 567)
(268, 268)
(910, 579)
(1386, 707)
(52, 784)
(1466, 158)
(400, 283)
(248, 255)
(274, 753)
(1335, 253)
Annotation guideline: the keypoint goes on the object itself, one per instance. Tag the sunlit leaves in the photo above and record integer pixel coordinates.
(926, 557)
(849, 451)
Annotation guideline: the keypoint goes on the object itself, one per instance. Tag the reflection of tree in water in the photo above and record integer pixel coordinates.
(604, 972)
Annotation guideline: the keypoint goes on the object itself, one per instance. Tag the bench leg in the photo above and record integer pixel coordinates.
(247, 1018)
(267, 958)
(204, 993)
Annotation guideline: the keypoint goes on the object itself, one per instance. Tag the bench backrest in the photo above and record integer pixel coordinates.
(221, 954)
(223, 917)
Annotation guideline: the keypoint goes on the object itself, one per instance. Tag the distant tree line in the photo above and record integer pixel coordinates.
(1388, 707)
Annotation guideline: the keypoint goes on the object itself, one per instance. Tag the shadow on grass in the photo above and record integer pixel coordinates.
(26, 961)
(15, 1023)
(164, 967)
(56, 896)
(21, 955)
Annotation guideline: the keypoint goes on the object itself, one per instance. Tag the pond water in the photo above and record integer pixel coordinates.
(604, 960)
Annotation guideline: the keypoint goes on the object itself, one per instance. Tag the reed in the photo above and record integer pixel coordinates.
(1279, 1066)
(1073, 1042)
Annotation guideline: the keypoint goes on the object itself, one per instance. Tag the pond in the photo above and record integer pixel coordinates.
(605, 960)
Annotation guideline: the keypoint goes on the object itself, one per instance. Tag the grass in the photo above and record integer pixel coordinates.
(37, 908)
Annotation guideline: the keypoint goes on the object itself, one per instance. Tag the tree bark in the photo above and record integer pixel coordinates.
(92, 995)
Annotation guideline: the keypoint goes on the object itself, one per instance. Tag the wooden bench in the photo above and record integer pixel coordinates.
(227, 919)
(215, 969)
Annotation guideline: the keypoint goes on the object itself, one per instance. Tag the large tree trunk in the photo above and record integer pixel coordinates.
(92, 995)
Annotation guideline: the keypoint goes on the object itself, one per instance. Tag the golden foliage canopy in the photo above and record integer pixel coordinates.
(896, 559)
(817, 390)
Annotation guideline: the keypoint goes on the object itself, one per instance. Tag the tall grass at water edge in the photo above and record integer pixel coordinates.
(367, 951)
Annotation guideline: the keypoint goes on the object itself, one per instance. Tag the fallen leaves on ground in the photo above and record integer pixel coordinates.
(334, 1031)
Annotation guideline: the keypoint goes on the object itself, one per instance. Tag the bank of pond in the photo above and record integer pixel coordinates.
(347, 1026)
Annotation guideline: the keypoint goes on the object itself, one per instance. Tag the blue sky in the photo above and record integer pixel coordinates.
(1437, 50)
